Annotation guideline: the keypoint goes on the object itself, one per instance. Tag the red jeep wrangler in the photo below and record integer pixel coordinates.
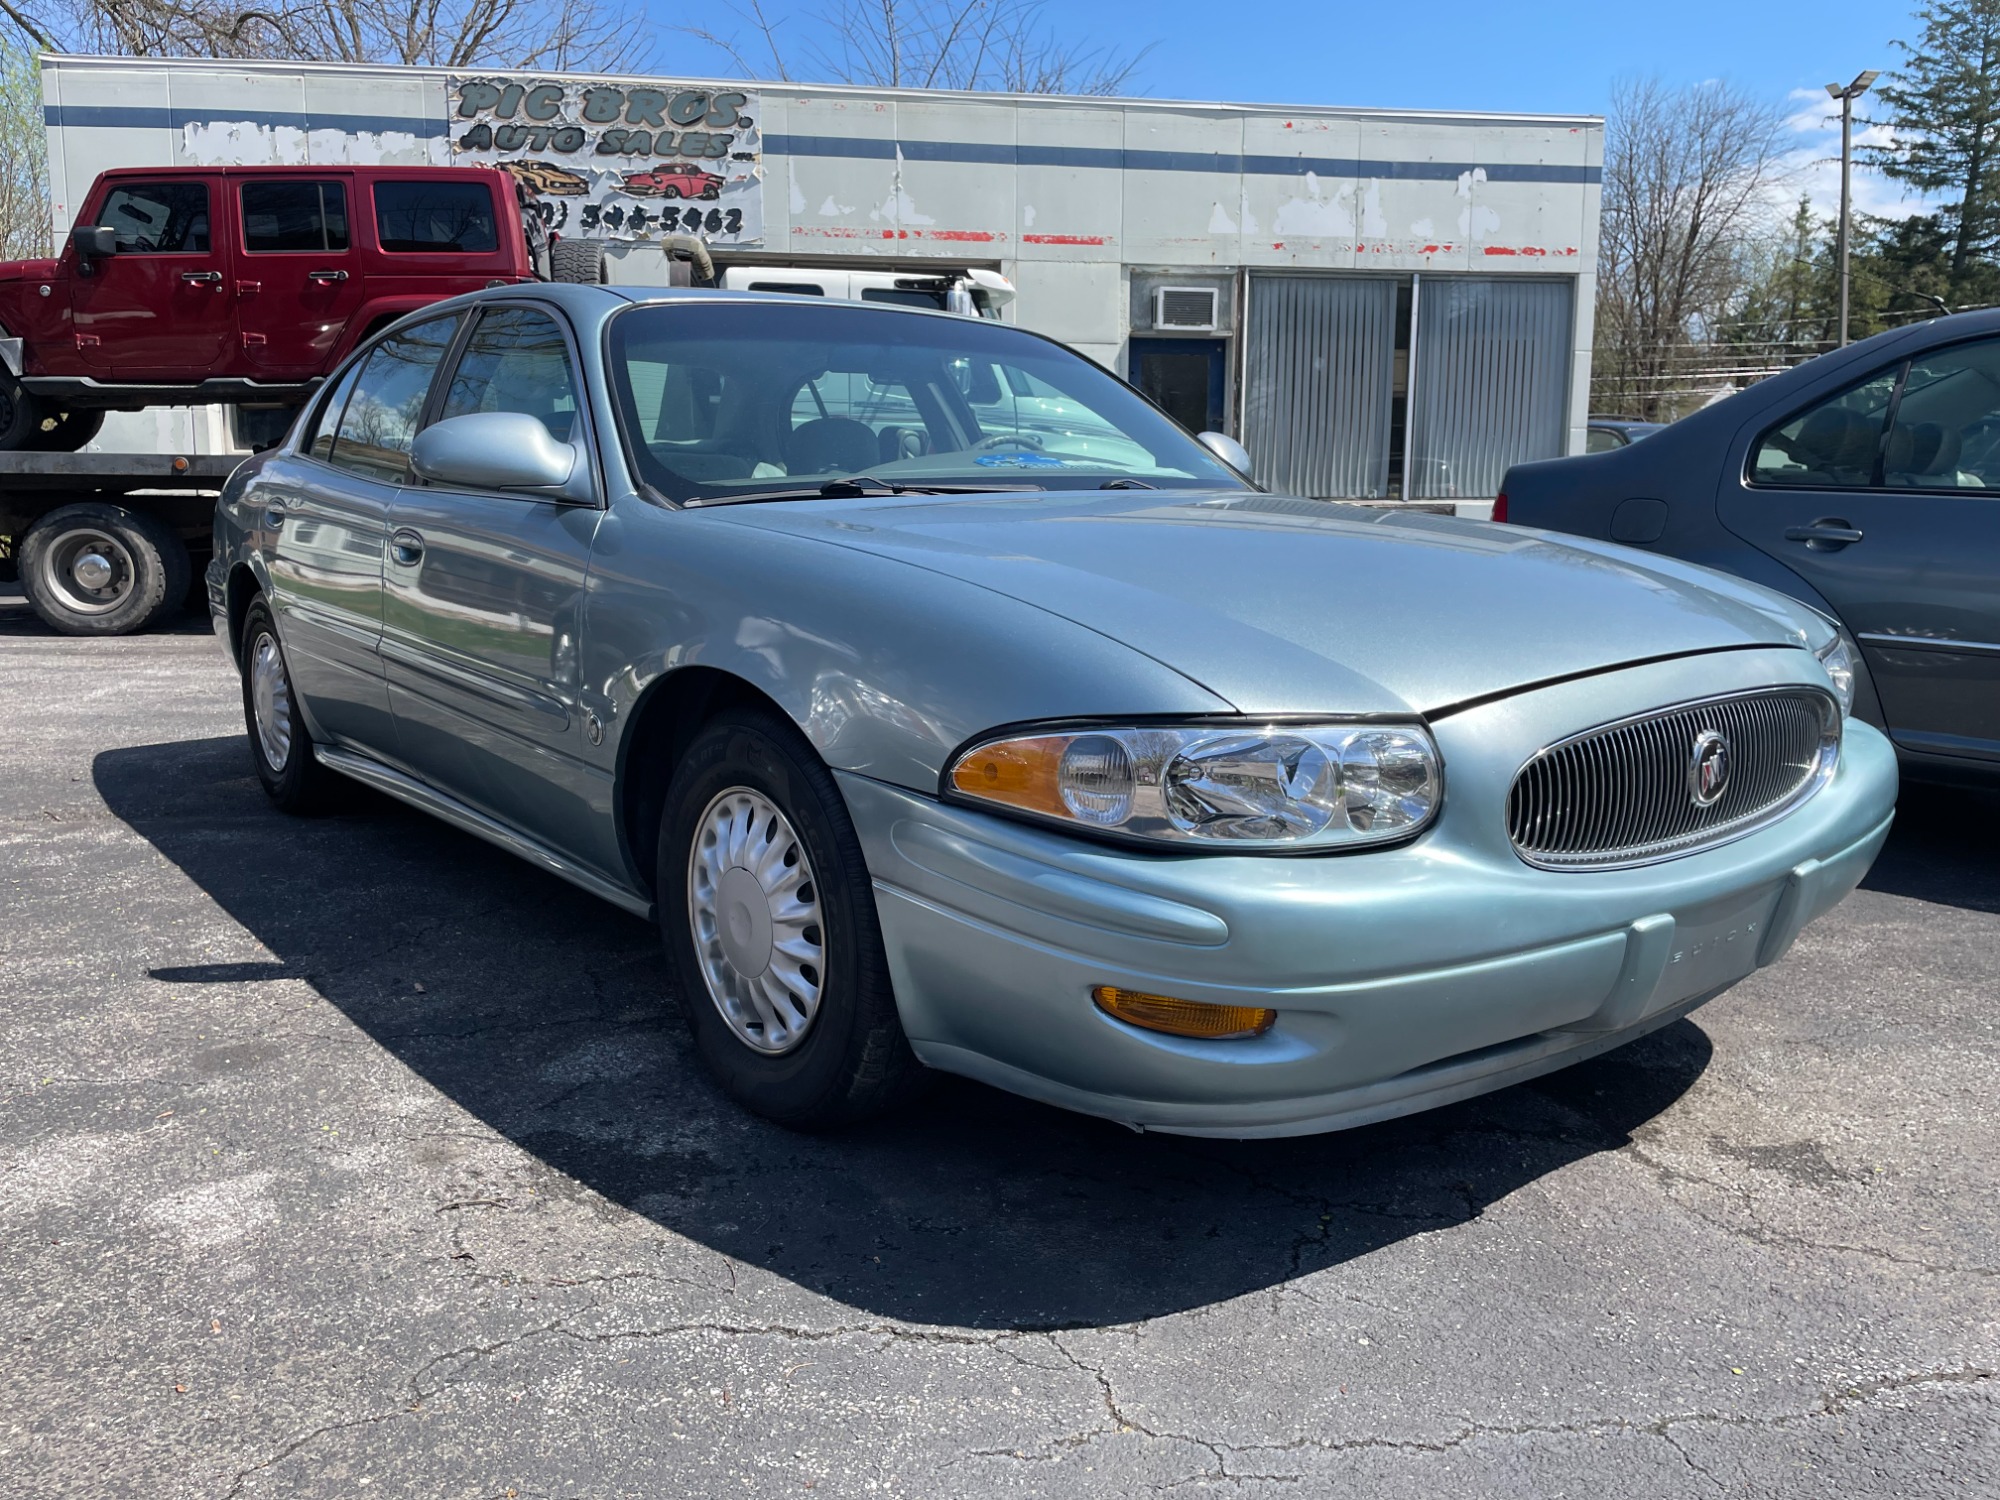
(189, 285)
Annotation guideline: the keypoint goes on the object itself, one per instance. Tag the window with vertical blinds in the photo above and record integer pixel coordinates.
(1491, 382)
(1318, 377)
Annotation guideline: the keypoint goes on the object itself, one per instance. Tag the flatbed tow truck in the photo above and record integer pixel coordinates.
(107, 543)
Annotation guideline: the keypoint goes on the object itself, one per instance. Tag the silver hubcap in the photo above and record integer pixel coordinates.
(89, 571)
(271, 701)
(753, 908)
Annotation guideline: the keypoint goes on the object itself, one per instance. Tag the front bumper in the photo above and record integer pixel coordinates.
(1403, 978)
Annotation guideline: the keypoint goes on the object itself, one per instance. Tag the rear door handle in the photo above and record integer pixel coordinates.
(407, 548)
(1827, 535)
(326, 276)
(201, 277)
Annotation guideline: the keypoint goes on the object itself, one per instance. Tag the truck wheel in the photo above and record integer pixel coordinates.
(98, 569)
(65, 431)
(578, 260)
(20, 416)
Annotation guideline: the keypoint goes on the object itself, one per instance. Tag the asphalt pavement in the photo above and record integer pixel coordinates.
(349, 1157)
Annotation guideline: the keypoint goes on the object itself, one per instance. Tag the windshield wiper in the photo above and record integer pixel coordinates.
(1127, 484)
(860, 487)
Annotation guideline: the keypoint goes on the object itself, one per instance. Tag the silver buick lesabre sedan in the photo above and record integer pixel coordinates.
(949, 707)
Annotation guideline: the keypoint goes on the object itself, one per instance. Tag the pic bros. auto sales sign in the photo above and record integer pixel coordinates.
(617, 160)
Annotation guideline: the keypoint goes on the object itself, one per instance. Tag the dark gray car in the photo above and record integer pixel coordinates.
(1865, 482)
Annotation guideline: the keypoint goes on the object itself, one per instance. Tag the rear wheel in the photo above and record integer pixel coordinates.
(97, 569)
(20, 416)
(578, 260)
(281, 748)
(769, 921)
(64, 431)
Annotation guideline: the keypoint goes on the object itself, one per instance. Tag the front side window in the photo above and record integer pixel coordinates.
(438, 218)
(157, 218)
(516, 360)
(738, 398)
(293, 216)
(382, 414)
(1946, 435)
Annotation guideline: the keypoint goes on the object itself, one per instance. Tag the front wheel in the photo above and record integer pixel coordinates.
(20, 416)
(769, 922)
(281, 748)
(96, 569)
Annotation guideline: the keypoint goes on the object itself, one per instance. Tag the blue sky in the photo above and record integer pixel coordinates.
(1557, 56)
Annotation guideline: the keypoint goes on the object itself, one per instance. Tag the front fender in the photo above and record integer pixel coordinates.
(885, 667)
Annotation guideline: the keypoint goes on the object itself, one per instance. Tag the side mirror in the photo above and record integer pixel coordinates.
(93, 242)
(1226, 448)
(500, 450)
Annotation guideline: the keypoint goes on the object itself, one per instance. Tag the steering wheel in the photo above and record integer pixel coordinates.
(999, 440)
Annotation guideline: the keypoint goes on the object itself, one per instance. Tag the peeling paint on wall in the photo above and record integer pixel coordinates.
(1316, 213)
(243, 143)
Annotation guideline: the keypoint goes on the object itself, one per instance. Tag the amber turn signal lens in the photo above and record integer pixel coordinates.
(1213, 1023)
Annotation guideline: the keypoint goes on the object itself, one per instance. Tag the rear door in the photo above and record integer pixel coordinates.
(1885, 498)
(160, 308)
(485, 603)
(298, 280)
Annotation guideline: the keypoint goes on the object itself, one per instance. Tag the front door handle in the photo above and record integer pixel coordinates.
(1828, 534)
(200, 278)
(407, 548)
(326, 276)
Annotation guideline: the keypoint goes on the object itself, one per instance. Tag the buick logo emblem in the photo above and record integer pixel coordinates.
(1708, 769)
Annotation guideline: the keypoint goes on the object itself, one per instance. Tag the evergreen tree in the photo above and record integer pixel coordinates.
(1944, 109)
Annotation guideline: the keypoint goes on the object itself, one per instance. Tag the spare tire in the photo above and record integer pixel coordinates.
(578, 260)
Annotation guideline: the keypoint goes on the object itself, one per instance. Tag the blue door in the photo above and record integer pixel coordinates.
(1185, 377)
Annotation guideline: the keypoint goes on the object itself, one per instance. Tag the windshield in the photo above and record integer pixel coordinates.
(770, 399)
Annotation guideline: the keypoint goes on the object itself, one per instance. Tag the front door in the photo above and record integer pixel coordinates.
(328, 527)
(1886, 499)
(297, 280)
(484, 607)
(1184, 377)
(160, 308)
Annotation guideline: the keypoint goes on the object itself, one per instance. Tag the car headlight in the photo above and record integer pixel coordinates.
(1268, 786)
(1839, 658)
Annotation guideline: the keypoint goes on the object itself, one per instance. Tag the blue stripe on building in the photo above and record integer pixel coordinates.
(966, 153)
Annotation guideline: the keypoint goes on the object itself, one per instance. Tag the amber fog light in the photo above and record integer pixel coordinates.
(1212, 1023)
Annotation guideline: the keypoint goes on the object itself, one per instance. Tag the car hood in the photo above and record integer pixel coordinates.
(1281, 605)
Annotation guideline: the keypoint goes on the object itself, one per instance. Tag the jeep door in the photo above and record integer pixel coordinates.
(160, 308)
(298, 279)
(325, 511)
(1884, 496)
(484, 604)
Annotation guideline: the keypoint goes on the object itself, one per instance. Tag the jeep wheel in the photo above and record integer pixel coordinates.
(98, 569)
(578, 260)
(64, 431)
(20, 416)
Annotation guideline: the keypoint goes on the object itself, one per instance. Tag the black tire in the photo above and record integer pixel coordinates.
(578, 261)
(670, 191)
(67, 552)
(293, 779)
(851, 1060)
(64, 431)
(20, 416)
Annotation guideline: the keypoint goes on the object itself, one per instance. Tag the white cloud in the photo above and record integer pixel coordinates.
(1815, 161)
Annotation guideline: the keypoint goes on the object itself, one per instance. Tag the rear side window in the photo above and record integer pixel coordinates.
(381, 416)
(1834, 445)
(326, 421)
(435, 217)
(281, 216)
(518, 361)
(157, 218)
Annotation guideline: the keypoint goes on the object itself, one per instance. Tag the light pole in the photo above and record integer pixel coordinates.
(1847, 96)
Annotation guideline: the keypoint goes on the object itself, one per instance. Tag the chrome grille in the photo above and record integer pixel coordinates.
(1622, 794)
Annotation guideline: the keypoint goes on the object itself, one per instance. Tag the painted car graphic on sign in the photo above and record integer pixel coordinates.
(676, 181)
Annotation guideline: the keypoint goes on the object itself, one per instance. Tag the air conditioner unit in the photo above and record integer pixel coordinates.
(1186, 309)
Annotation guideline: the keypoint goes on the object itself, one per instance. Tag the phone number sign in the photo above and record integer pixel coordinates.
(617, 160)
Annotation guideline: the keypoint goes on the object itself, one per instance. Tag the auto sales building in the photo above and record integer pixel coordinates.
(1381, 304)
